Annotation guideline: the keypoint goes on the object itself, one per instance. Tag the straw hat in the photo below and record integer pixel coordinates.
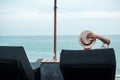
(84, 41)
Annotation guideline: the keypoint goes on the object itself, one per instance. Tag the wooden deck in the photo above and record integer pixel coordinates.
(52, 61)
(50, 70)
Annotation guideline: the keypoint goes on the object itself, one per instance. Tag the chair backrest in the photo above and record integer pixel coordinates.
(95, 64)
(14, 64)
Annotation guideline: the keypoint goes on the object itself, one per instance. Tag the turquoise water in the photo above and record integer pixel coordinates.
(42, 46)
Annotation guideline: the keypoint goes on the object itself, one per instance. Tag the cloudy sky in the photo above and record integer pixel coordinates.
(35, 17)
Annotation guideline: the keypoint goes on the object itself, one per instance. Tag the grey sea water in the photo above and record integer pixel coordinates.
(41, 47)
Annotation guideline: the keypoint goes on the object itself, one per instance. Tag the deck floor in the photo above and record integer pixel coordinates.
(50, 72)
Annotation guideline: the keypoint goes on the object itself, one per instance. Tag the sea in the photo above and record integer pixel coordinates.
(42, 47)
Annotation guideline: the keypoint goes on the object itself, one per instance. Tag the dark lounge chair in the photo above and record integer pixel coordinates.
(14, 65)
(96, 64)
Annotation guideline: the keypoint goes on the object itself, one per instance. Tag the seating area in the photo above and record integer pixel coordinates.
(14, 65)
(96, 64)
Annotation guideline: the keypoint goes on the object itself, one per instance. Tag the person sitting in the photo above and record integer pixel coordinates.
(87, 39)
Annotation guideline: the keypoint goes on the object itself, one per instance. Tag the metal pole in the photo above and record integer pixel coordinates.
(55, 28)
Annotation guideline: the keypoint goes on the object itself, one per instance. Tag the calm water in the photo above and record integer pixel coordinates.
(42, 46)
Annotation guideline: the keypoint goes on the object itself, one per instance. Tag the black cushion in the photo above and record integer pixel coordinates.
(95, 64)
(10, 72)
(14, 62)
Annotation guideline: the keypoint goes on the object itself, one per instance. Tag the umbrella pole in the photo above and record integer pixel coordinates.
(55, 27)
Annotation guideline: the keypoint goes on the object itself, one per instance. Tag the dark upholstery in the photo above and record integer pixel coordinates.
(37, 69)
(14, 64)
(96, 64)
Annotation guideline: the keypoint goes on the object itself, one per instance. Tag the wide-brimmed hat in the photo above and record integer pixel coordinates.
(84, 41)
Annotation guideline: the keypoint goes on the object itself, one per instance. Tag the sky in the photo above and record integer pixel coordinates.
(36, 17)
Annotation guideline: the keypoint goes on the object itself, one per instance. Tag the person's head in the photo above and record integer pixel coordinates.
(87, 39)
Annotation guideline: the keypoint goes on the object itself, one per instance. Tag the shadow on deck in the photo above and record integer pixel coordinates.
(50, 72)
